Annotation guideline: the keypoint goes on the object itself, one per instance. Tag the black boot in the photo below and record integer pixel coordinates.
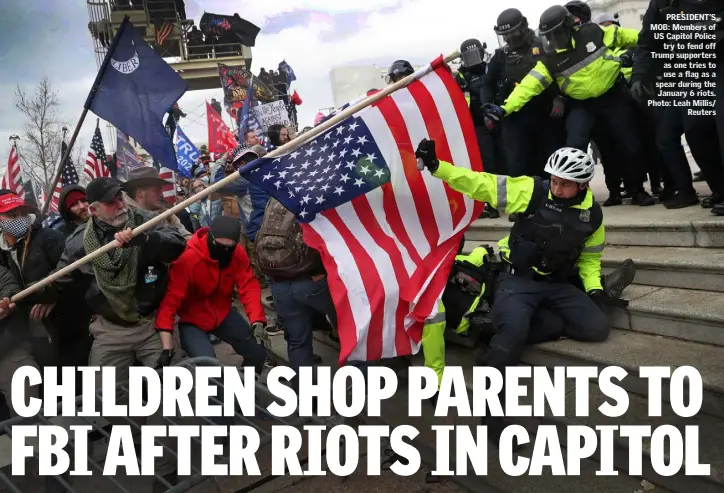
(642, 198)
(681, 200)
(710, 202)
(618, 280)
(612, 200)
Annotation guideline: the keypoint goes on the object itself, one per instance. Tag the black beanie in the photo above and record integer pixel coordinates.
(226, 227)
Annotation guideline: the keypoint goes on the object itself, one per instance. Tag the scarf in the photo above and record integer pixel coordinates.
(116, 271)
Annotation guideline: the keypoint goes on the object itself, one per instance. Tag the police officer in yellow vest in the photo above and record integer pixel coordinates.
(558, 233)
(581, 61)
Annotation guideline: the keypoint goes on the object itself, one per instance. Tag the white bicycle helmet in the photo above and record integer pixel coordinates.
(572, 164)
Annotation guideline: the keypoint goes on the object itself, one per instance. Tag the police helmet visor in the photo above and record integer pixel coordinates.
(556, 39)
(394, 77)
(514, 38)
(472, 57)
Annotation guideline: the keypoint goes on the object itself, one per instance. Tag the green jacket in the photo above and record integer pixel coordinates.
(514, 195)
(590, 78)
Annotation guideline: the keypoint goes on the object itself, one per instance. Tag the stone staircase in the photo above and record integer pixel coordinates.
(675, 318)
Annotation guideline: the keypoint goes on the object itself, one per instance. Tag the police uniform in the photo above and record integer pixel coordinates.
(588, 74)
(532, 124)
(546, 245)
(489, 143)
(704, 134)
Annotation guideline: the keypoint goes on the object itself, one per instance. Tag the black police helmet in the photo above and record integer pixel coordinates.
(508, 20)
(554, 17)
(579, 9)
(400, 68)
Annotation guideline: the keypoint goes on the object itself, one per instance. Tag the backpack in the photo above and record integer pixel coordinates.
(279, 245)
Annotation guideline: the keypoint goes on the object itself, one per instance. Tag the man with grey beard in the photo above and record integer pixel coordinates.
(124, 287)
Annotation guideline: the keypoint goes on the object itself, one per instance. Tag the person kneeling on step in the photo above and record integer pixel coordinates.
(558, 233)
(200, 290)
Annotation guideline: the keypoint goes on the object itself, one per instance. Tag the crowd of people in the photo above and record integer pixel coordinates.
(198, 276)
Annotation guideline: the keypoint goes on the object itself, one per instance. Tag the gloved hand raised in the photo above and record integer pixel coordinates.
(559, 108)
(426, 156)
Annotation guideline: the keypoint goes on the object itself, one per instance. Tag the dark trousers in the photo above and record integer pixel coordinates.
(529, 137)
(560, 305)
(491, 151)
(298, 302)
(234, 330)
(613, 112)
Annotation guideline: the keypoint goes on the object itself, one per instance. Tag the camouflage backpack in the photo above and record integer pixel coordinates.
(279, 246)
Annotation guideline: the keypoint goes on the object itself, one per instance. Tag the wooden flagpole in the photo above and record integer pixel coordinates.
(288, 147)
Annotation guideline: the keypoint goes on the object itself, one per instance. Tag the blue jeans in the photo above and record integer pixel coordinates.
(233, 330)
(296, 302)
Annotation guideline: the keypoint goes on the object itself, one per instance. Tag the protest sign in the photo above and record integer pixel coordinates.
(186, 153)
(271, 113)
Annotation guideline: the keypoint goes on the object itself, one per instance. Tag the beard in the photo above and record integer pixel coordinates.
(118, 220)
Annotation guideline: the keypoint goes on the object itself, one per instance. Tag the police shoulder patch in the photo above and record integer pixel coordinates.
(535, 50)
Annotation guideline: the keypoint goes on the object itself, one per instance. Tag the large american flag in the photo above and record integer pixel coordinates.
(387, 233)
(95, 166)
(13, 177)
(169, 191)
(68, 176)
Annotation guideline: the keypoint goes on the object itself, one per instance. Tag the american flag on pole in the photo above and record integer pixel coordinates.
(13, 178)
(388, 233)
(68, 176)
(163, 32)
(95, 166)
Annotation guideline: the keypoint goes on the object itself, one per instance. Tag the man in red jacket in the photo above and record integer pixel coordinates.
(200, 287)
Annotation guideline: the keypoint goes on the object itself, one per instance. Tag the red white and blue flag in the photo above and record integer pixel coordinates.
(13, 177)
(388, 233)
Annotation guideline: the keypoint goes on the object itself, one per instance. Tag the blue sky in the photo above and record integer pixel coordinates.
(47, 37)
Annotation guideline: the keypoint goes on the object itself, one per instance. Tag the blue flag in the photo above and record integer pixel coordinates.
(186, 153)
(134, 89)
(288, 69)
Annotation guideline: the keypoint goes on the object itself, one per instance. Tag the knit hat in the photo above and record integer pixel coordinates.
(227, 227)
(72, 197)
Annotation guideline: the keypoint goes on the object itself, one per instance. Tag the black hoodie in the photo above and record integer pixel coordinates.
(66, 223)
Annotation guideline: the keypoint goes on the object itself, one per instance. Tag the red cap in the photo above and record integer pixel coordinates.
(10, 202)
(72, 197)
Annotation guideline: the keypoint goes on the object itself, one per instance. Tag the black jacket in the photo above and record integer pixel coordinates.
(164, 245)
(11, 327)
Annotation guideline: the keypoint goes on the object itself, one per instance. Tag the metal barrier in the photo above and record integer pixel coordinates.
(58, 484)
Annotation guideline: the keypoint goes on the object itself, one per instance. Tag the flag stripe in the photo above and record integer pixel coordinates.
(420, 196)
(389, 262)
(435, 129)
(416, 128)
(325, 238)
(409, 229)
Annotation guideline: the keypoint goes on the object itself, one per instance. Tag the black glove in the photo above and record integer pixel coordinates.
(493, 111)
(559, 108)
(138, 240)
(626, 59)
(599, 298)
(164, 359)
(425, 154)
(638, 90)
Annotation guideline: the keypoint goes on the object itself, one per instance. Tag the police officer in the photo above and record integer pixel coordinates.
(645, 122)
(581, 61)
(700, 131)
(559, 233)
(398, 71)
(539, 123)
(472, 71)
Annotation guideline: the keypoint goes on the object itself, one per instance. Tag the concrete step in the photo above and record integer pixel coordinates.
(631, 350)
(711, 449)
(672, 267)
(688, 314)
(635, 226)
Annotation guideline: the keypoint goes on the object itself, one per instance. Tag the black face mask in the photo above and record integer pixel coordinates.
(220, 253)
(575, 200)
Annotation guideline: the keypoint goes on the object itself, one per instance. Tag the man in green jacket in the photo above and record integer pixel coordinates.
(559, 232)
(582, 61)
